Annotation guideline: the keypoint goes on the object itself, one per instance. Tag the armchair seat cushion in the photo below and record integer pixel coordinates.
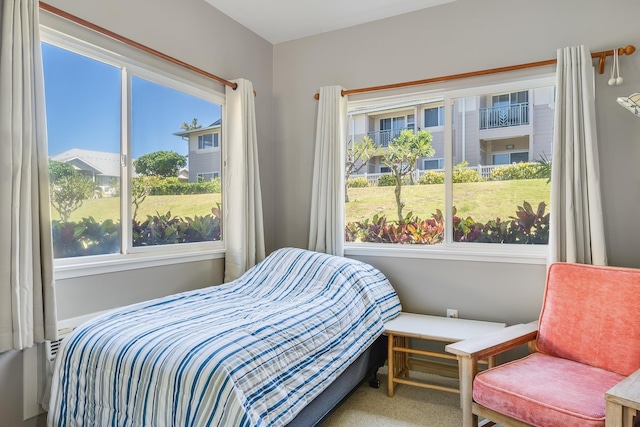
(544, 390)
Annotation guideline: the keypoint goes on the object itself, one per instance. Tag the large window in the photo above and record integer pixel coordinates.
(123, 140)
(460, 186)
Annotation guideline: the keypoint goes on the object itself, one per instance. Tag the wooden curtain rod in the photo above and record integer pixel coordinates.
(628, 50)
(111, 34)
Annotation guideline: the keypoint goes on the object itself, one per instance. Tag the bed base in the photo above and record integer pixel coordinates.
(364, 368)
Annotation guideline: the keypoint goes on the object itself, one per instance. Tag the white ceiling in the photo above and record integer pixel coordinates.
(283, 20)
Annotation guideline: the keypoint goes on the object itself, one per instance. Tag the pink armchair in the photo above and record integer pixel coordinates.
(587, 340)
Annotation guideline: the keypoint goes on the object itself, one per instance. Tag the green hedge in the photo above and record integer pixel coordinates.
(171, 186)
(517, 171)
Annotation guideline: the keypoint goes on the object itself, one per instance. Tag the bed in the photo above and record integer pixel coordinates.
(281, 345)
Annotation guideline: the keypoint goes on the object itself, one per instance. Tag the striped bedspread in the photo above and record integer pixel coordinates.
(252, 352)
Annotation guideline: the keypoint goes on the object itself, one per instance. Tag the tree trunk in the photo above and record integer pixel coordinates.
(346, 192)
(397, 192)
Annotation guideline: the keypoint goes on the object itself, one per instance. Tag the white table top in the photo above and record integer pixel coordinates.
(438, 328)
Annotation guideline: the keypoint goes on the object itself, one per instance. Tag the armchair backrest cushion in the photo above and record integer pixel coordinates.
(590, 314)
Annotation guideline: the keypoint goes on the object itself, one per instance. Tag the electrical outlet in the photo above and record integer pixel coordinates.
(452, 313)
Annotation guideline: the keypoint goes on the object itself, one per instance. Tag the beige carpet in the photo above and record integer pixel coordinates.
(410, 406)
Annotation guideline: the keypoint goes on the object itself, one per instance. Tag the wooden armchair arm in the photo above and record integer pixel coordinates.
(623, 401)
(494, 343)
(486, 346)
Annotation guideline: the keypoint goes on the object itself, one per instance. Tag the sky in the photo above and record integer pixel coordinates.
(83, 107)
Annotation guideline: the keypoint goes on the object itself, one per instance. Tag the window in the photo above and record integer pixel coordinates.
(208, 141)
(115, 132)
(463, 192)
(509, 158)
(507, 99)
(434, 116)
(207, 177)
(429, 164)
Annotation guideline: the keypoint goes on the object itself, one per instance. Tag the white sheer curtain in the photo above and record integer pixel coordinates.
(243, 224)
(326, 232)
(27, 294)
(577, 226)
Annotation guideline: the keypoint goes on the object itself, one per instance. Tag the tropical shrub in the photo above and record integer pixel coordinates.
(431, 177)
(360, 182)
(88, 237)
(85, 237)
(461, 174)
(386, 181)
(410, 230)
(526, 227)
(516, 171)
(172, 186)
(166, 229)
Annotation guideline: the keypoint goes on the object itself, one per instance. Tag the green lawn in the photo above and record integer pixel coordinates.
(482, 201)
(182, 206)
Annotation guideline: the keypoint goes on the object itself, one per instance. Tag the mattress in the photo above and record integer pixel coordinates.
(252, 352)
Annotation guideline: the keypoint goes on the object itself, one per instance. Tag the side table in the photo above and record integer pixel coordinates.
(429, 328)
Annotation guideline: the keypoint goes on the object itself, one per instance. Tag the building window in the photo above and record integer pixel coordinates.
(430, 164)
(510, 158)
(434, 116)
(112, 133)
(459, 191)
(208, 176)
(208, 141)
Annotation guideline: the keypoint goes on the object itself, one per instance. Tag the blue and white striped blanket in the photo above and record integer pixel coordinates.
(252, 352)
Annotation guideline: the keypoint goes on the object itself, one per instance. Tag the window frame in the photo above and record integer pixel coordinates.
(143, 66)
(450, 250)
(440, 161)
(215, 142)
(441, 114)
(509, 153)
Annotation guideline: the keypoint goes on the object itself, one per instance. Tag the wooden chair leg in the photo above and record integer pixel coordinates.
(468, 368)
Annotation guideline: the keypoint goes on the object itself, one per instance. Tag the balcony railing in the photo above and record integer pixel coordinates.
(381, 138)
(500, 117)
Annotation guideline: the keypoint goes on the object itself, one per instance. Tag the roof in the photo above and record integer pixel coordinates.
(214, 125)
(100, 162)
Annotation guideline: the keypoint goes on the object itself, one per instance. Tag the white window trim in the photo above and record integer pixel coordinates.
(137, 257)
(449, 250)
(68, 268)
(478, 252)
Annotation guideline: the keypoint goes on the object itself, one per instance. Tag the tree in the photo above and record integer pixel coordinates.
(160, 163)
(358, 154)
(68, 189)
(194, 125)
(401, 157)
(141, 187)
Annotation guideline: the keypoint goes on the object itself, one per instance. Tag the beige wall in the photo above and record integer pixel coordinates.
(196, 33)
(458, 37)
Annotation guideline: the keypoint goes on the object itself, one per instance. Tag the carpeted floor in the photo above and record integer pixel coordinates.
(410, 406)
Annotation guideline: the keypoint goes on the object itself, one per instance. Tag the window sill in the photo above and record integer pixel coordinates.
(477, 252)
(70, 268)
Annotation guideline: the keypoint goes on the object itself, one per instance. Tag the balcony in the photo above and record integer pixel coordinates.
(381, 138)
(506, 116)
